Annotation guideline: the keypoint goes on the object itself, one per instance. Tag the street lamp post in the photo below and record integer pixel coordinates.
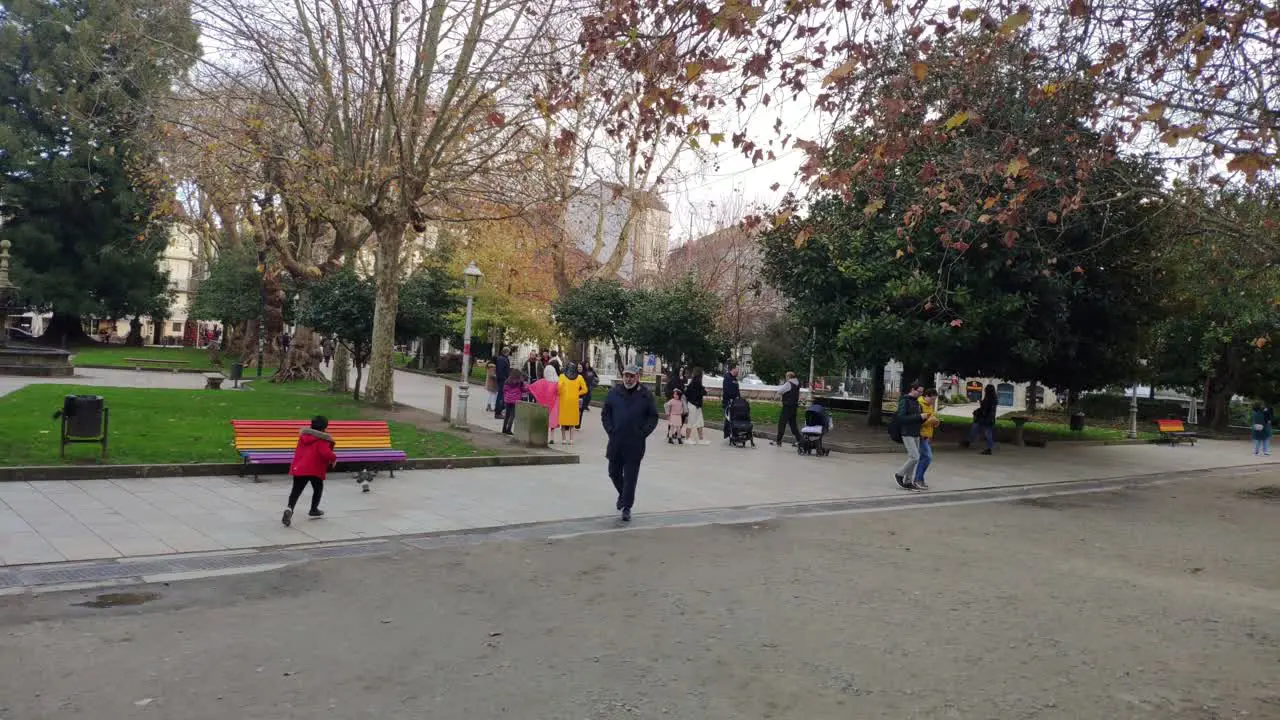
(1133, 407)
(471, 280)
(262, 308)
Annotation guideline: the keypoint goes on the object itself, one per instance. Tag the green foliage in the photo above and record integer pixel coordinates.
(341, 305)
(785, 345)
(676, 322)
(596, 309)
(429, 303)
(76, 164)
(233, 291)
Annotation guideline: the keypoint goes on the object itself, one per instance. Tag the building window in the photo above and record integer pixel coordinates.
(177, 327)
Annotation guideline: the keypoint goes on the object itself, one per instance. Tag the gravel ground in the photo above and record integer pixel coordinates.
(1160, 602)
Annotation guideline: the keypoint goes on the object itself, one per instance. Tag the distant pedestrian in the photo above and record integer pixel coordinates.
(572, 389)
(675, 417)
(491, 386)
(694, 394)
(929, 411)
(909, 420)
(555, 362)
(984, 420)
(532, 368)
(675, 381)
(629, 416)
(285, 342)
(728, 393)
(1261, 430)
(512, 391)
(312, 458)
(326, 349)
(550, 372)
(790, 392)
(502, 370)
(593, 380)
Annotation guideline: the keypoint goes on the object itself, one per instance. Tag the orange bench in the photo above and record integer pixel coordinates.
(357, 442)
(1174, 432)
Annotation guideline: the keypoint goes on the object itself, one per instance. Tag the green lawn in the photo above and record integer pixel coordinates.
(114, 356)
(186, 426)
(1052, 431)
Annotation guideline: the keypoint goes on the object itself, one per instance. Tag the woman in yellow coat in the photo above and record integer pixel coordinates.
(572, 388)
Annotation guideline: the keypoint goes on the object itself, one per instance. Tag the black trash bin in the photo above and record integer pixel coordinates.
(84, 420)
(1077, 421)
(237, 371)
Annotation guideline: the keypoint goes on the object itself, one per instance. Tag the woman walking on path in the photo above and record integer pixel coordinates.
(593, 380)
(694, 394)
(312, 458)
(572, 389)
(1261, 430)
(984, 420)
(929, 410)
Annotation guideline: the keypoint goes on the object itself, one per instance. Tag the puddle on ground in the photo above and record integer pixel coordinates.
(1266, 492)
(111, 600)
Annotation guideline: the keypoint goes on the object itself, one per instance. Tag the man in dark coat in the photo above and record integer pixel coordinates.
(728, 393)
(629, 416)
(502, 371)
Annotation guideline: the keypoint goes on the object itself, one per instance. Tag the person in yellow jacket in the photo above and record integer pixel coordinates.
(571, 388)
(929, 410)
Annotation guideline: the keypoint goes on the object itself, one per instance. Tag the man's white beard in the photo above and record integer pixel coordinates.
(630, 385)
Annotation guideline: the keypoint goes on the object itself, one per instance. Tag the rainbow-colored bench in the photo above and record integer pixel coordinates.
(357, 442)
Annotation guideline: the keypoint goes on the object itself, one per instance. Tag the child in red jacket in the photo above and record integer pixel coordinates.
(312, 459)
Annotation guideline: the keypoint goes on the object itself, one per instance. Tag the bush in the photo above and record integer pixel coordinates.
(449, 364)
(1107, 406)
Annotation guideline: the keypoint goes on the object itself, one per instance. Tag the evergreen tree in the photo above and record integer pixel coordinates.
(87, 210)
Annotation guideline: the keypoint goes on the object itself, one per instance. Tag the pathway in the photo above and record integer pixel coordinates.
(95, 519)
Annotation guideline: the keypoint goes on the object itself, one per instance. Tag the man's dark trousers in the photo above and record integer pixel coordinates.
(787, 418)
(624, 471)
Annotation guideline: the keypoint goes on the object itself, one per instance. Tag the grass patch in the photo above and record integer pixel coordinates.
(114, 356)
(186, 426)
(1050, 430)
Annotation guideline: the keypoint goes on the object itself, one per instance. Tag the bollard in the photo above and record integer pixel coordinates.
(448, 404)
(531, 425)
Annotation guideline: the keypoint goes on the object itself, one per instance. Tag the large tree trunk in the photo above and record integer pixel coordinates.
(341, 366)
(386, 275)
(65, 330)
(1220, 389)
(1033, 403)
(134, 338)
(876, 411)
(302, 362)
(157, 330)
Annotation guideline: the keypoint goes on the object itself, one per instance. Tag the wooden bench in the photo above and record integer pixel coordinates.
(271, 442)
(138, 363)
(1174, 432)
(833, 402)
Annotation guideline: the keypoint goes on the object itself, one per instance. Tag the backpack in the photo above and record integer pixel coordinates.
(895, 429)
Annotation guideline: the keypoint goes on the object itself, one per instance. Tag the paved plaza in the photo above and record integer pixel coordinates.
(98, 519)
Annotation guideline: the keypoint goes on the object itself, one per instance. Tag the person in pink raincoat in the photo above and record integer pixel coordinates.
(547, 394)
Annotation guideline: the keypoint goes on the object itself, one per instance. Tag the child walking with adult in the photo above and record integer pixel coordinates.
(512, 391)
(694, 395)
(675, 417)
(491, 386)
(909, 420)
(312, 458)
(929, 411)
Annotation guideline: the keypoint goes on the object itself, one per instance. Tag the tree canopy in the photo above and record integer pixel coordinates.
(341, 305)
(676, 322)
(596, 309)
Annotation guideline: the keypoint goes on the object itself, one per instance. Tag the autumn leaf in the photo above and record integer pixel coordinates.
(717, 138)
(1016, 166)
(1050, 89)
(920, 70)
(1077, 8)
(1154, 112)
(971, 14)
(840, 72)
(1052, 217)
(781, 218)
(774, 187)
(956, 323)
(984, 218)
(693, 143)
(956, 120)
(1015, 21)
(1010, 238)
(1077, 270)
(1249, 164)
(873, 207)
(899, 254)
(1260, 342)
(496, 119)
(990, 203)
(692, 71)
(802, 237)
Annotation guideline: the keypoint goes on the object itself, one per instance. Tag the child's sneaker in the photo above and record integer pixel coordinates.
(287, 518)
(313, 513)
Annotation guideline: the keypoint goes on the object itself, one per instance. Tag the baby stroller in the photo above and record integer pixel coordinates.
(817, 423)
(741, 430)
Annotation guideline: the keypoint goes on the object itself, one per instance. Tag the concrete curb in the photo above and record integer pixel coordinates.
(117, 472)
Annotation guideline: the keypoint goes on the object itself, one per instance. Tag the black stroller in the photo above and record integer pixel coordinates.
(741, 430)
(817, 423)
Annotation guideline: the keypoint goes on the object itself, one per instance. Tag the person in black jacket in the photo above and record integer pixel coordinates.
(984, 420)
(629, 416)
(909, 420)
(503, 371)
(694, 394)
(728, 393)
